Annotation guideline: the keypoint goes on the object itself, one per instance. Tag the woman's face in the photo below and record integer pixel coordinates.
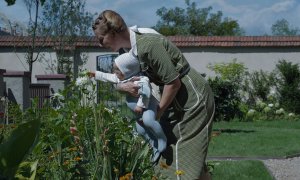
(107, 39)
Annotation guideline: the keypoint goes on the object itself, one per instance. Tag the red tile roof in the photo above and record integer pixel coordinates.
(180, 41)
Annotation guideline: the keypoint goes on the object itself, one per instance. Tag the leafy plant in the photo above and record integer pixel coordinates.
(258, 85)
(226, 99)
(84, 139)
(288, 85)
(17, 146)
(226, 86)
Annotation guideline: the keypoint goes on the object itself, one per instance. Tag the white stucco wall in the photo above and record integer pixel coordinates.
(253, 58)
(16, 61)
(199, 58)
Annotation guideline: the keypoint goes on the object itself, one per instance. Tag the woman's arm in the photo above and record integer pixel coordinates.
(169, 93)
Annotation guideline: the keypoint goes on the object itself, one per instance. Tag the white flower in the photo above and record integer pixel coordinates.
(279, 111)
(108, 110)
(261, 104)
(251, 112)
(3, 99)
(270, 105)
(267, 109)
(291, 114)
(272, 92)
(81, 81)
(57, 96)
(83, 73)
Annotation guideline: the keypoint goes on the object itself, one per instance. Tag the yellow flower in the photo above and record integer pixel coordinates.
(179, 172)
(73, 149)
(77, 158)
(129, 175)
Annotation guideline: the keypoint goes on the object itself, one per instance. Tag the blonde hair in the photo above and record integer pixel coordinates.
(110, 22)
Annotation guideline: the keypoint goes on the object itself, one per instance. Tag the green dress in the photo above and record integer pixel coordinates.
(187, 122)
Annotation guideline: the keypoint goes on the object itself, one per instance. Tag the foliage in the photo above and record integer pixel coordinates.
(288, 85)
(259, 84)
(14, 149)
(226, 86)
(64, 31)
(12, 2)
(282, 28)
(226, 99)
(195, 21)
(80, 139)
(232, 71)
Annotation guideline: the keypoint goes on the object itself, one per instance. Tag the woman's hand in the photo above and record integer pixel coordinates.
(129, 87)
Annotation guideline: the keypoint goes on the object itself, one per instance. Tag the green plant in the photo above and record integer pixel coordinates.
(226, 87)
(288, 85)
(84, 139)
(226, 99)
(258, 85)
(18, 145)
(233, 71)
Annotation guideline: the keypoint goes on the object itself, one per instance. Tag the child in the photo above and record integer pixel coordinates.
(145, 106)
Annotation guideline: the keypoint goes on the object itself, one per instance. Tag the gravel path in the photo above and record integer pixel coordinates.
(284, 169)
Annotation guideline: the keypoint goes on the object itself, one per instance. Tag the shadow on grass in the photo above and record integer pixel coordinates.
(233, 131)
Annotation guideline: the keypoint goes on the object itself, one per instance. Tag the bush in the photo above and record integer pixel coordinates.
(226, 86)
(258, 85)
(227, 99)
(288, 85)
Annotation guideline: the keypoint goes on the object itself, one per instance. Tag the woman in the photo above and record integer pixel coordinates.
(186, 106)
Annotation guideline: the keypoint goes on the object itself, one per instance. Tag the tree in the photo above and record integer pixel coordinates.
(64, 21)
(283, 28)
(32, 31)
(195, 21)
(12, 2)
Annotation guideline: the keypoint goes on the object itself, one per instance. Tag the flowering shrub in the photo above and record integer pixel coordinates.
(258, 95)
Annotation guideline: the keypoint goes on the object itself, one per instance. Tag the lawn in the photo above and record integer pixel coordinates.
(255, 139)
(240, 170)
(265, 139)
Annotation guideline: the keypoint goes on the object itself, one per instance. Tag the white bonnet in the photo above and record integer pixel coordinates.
(128, 64)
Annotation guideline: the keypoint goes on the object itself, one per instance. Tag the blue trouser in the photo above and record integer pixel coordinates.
(146, 124)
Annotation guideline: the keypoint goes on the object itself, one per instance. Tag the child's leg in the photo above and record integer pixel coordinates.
(150, 123)
(150, 138)
(145, 133)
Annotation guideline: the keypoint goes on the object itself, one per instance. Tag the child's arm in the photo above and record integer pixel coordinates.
(106, 77)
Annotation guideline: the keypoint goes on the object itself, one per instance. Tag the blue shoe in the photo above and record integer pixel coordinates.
(155, 156)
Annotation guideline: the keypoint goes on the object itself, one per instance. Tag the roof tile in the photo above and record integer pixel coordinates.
(180, 41)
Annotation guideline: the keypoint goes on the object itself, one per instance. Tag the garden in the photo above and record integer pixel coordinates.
(74, 136)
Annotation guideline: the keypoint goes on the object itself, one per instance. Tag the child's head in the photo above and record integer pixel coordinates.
(126, 66)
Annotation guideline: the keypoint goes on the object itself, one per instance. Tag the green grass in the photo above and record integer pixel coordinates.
(255, 139)
(251, 139)
(239, 170)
